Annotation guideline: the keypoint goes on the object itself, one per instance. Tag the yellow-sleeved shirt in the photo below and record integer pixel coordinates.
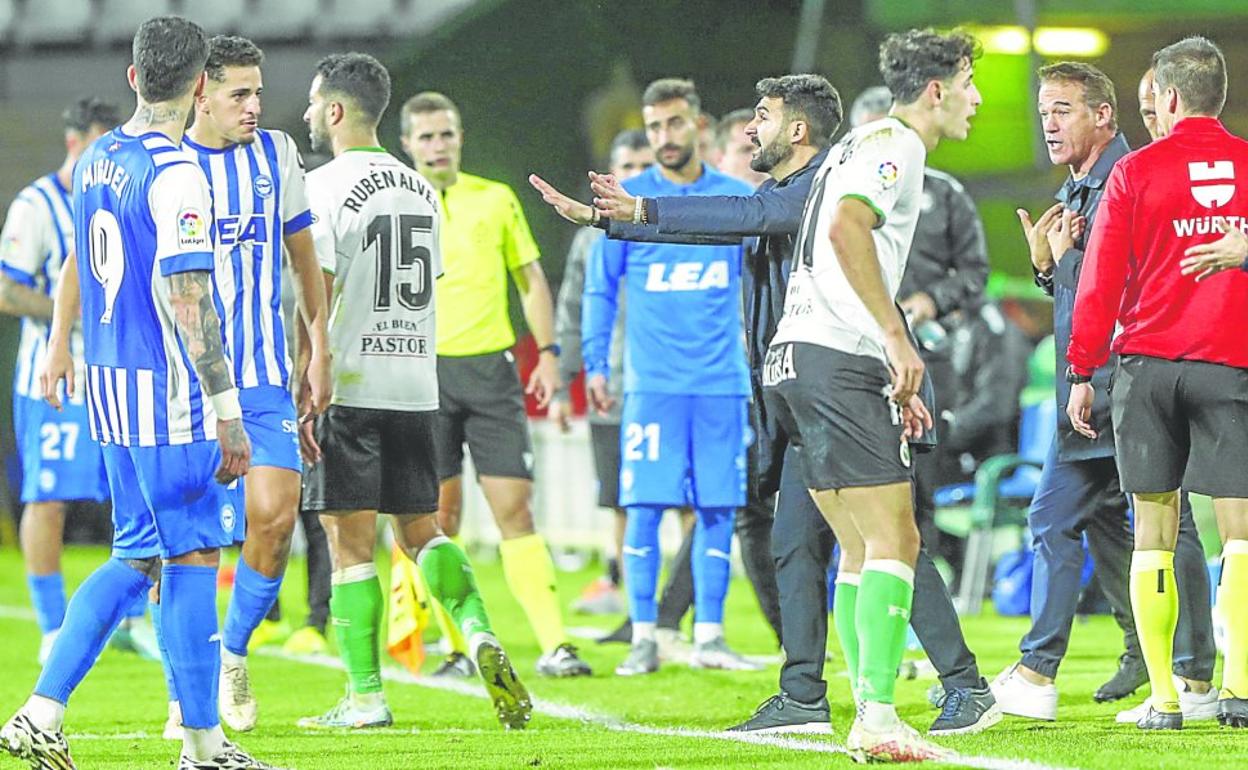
(484, 238)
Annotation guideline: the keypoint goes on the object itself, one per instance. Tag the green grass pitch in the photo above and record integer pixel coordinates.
(115, 718)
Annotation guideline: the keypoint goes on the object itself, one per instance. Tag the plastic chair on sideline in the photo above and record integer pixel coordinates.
(999, 497)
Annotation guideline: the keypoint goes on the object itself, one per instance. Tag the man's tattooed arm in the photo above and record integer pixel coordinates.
(200, 329)
(199, 326)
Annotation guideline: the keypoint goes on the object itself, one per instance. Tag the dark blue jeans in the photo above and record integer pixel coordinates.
(1076, 495)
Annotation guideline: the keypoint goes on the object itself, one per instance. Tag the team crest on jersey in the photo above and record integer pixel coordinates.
(263, 186)
(888, 174)
(228, 518)
(191, 230)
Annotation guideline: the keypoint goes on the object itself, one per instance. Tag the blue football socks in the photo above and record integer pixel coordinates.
(94, 612)
(47, 594)
(188, 620)
(712, 546)
(641, 561)
(164, 651)
(253, 595)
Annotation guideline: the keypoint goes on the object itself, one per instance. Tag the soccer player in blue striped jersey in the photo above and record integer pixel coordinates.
(161, 401)
(59, 461)
(259, 205)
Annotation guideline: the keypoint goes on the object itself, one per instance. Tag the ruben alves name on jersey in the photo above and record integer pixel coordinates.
(142, 213)
(683, 333)
(258, 198)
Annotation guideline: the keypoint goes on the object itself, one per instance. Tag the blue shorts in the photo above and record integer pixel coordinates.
(683, 450)
(166, 501)
(272, 426)
(60, 461)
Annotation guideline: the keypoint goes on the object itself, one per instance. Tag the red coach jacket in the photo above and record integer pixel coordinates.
(1160, 200)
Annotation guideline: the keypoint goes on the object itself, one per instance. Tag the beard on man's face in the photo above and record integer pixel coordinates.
(674, 156)
(772, 155)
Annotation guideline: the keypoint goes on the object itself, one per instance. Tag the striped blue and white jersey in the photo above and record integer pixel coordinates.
(37, 238)
(142, 213)
(258, 197)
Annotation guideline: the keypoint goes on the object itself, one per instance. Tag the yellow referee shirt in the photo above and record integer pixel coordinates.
(484, 237)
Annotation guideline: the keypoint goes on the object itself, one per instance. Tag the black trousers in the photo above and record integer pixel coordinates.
(802, 545)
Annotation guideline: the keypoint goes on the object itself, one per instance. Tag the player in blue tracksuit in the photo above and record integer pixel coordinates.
(684, 424)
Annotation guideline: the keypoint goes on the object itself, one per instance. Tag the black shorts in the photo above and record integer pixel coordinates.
(374, 459)
(482, 405)
(1180, 424)
(605, 438)
(835, 408)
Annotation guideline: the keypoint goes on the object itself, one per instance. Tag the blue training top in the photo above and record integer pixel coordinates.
(683, 334)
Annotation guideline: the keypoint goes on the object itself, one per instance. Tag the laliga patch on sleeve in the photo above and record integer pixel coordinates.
(888, 174)
(192, 230)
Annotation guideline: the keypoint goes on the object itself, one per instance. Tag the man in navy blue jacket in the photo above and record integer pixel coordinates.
(794, 121)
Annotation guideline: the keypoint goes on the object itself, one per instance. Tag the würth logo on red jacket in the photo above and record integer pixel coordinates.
(1213, 184)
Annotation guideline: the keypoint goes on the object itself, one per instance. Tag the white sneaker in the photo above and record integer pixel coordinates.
(672, 646)
(717, 654)
(45, 646)
(173, 724)
(347, 715)
(902, 743)
(1196, 707)
(1015, 695)
(236, 703)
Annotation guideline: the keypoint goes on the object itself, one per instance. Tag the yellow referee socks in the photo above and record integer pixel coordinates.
(1234, 601)
(1155, 604)
(531, 577)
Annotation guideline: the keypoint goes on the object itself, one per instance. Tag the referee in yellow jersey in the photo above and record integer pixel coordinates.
(484, 239)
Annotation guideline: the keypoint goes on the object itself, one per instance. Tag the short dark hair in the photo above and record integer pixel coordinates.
(360, 78)
(724, 130)
(1098, 89)
(231, 51)
(169, 53)
(1196, 68)
(630, 139)
(809, 97)
(667, 89)
(423, 102)
(85, 113)
(910, 60)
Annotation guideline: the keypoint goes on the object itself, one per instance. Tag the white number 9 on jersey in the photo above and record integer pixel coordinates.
(108, 261)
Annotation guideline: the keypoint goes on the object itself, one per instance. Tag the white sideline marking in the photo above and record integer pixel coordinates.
(576, 713)
(566, 711)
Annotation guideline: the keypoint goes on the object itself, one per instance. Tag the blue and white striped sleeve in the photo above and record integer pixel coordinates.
(296, 215)
(22, 249)
(181, 207)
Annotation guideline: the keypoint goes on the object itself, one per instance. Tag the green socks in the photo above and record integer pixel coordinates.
(881, 616)
(449, 577)
(844, 611)
(355, 605)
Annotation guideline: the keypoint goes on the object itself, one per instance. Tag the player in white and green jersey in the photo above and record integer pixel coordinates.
(376, 226)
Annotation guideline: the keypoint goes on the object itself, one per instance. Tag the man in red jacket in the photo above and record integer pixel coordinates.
(1180, 392)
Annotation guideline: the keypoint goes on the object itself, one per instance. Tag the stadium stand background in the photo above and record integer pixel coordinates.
(541, 82)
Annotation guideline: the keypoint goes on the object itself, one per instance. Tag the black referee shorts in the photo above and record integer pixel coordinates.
(374, 459)
(482, 405)
(1180, 424)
